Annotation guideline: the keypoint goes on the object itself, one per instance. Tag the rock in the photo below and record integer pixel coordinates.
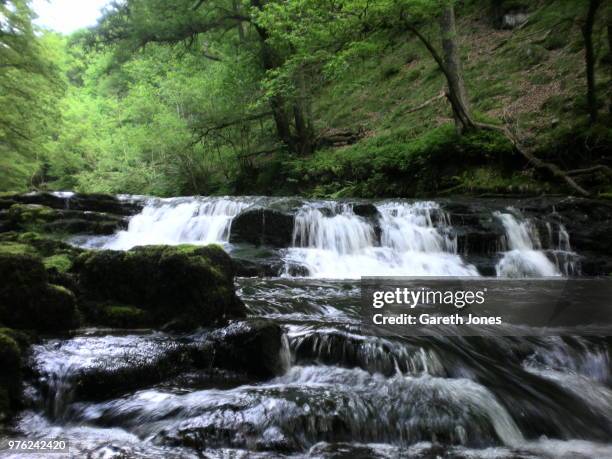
(116, 315)
(10, 376)
(91, 202)
(81, 226)
(112, 365)
(26, 217)
(250, 261)
(263, 227)
(252, 268)
(27, 300)
(188, 286)
(366, 210)
(255, 347)
(508, 14)
(116, 364)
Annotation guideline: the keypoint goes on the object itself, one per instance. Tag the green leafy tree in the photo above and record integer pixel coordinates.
(29, 89)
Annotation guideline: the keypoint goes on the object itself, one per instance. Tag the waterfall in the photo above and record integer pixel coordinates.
(179, 221)
(525, 257)
(408, 239)
(342, 240)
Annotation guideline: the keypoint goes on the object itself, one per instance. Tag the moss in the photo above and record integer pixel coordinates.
(27, 301)
(15, 248)
(62, 263)
(490, 180)
(189, 283)
(31, 214)
(123, 317)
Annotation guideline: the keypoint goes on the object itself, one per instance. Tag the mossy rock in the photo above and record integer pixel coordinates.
(31, 214)
(16, 248)
(62, 263)
(64, 221)
(27, 300)
(10, 376)
(57, 255)
(187, 285)
(116, 315)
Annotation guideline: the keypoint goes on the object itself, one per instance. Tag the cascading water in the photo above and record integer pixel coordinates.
(331, 241)
(525, 257)
(342, 391)
(180, 221)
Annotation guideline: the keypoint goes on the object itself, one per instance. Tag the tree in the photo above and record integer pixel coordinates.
(135, 23)
(29, 88)
(587, 33)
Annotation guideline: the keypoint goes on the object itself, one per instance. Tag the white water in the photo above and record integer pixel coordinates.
(524, 257)
(179, 221)
(331, 241)
(414, 241)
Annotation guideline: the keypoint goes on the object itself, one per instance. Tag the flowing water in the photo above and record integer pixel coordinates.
(341, 392)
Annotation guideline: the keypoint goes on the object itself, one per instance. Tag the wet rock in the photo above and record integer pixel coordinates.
(260, 261)
(25, 217)
(263, 227)
(255, 347)
(365, 210)
(187, 286)
(83, 226)
(77, 201)
(257, 268)
(99, 367)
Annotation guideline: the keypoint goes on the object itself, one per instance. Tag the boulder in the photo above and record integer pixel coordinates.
(239, 353)
(27, 300)
(263, 227)
(365, 210)
(182, 286)
(115, 315)
(255, 347)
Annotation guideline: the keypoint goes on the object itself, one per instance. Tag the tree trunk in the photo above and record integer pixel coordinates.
(303, 117)
(609, 27)
(454, 73)
(587, 32)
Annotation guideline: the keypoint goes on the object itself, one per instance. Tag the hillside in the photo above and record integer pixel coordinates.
(312, 99)
(531, 78)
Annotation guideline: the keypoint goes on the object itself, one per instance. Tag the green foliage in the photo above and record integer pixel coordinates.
(396, 164)
(167, 98)
(29, 89)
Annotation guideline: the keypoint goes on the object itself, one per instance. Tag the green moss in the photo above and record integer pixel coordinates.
(397, 164)
(186, 283)
(491, 180)
(27, 301)
(123, 316)
(15, 248)
(31, 213)
(61, 263)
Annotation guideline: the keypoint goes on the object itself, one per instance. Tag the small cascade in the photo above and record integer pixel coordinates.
(179, 221)
(408, 239)
(526, 257)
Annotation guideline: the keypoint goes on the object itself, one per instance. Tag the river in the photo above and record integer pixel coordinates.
(341, 392)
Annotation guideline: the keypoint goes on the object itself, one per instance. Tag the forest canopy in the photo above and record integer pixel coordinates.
(325, 98)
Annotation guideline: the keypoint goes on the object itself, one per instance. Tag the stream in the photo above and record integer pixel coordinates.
(341, 392)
